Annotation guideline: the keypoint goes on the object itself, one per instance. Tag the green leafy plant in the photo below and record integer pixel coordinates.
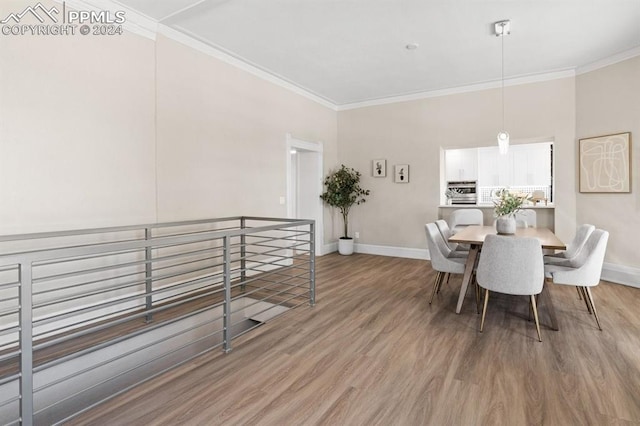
(343, 191)
(508, 203)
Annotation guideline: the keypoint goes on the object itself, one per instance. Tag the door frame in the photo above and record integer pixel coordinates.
(308, 146)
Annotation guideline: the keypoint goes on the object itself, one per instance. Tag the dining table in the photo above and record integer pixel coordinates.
(474, 236)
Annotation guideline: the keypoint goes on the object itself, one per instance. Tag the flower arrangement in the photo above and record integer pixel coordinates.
(343, 191)
(509, 203)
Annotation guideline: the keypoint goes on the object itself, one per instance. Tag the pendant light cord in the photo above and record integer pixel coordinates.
(503, 35)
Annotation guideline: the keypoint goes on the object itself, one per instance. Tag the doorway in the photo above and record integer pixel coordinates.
(304, 184)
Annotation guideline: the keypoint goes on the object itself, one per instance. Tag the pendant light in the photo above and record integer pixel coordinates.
(503, 28)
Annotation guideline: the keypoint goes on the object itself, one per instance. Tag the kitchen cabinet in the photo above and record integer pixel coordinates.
(461, 164)
(494, 169)
(523, 165)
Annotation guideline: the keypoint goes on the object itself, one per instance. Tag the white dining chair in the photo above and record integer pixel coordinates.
(511, 265)
(528, 216)
(457, 250)
(462, 218)
(584, 270)
(575, 246)
(441, 259)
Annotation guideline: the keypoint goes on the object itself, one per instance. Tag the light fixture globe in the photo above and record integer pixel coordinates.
(503, 142)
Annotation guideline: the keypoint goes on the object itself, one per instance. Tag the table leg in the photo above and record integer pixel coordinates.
(468, 272)
(548, 304)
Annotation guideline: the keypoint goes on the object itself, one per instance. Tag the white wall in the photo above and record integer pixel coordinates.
(114, 130)
(413, 133)
(608, 101)
(222, 136)
(77, 132)
(98, 131)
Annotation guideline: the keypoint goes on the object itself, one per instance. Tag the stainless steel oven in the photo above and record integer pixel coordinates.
(465, 191)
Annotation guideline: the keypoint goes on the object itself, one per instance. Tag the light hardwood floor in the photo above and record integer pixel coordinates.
(374, 352)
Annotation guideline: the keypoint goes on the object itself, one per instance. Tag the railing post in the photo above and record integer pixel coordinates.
(243, 254)
(312, 264)
(226, 329)
(26, 344)
(148, 271)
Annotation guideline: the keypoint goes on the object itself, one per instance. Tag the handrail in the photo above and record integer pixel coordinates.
(93, 290)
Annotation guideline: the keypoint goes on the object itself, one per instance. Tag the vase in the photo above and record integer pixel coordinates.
(506, 225)
(345, 246)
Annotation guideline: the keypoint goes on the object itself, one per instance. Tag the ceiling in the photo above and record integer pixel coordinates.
(351, 51)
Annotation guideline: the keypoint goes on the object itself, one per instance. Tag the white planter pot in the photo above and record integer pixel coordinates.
(506, 225)
(345, 246)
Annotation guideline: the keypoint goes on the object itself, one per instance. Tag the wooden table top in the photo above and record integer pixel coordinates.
(476, 235)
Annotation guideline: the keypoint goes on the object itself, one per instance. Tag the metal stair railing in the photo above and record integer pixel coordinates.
(88, 314)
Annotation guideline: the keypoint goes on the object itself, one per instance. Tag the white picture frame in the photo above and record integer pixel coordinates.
(379, 168)
(401, 174)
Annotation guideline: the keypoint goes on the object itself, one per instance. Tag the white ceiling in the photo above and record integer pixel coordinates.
(349, 51)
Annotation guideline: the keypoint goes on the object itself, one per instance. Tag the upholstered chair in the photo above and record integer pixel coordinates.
(457, 250)
(582, 234)
(528, 216)
(511, 265)
(462, 218)
(584, 269)
(441, 259)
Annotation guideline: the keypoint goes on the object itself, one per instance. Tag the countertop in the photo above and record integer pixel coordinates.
(490, 206)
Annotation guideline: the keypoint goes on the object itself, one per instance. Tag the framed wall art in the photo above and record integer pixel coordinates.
(379, 168)
(605, 164)
(401, 173)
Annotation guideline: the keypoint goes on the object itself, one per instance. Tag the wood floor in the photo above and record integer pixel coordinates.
(374, 352)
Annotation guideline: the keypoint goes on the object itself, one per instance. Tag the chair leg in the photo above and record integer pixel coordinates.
(477, 296)
(586, 301)
(535, 315)
(593, 306)
(484, 309)
(579, 292)
(435, 286)
(444, 274)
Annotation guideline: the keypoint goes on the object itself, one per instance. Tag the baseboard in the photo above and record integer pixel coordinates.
(329, 248)
(621, 274)
(410, 253)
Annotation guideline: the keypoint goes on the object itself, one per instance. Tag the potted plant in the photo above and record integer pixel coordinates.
(507, 204)
(343, 191)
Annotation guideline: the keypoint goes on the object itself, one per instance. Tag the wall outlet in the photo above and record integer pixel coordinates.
(357, 235)
(282, 201)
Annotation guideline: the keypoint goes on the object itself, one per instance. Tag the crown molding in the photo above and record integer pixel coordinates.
(191, 41)
(145, 26)
(622, 56)
(135, 23)
(515, 81)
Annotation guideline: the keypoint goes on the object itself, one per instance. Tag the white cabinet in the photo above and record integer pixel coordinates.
(523, 165)
(461, 164)
(531, 164)
(494, 169)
